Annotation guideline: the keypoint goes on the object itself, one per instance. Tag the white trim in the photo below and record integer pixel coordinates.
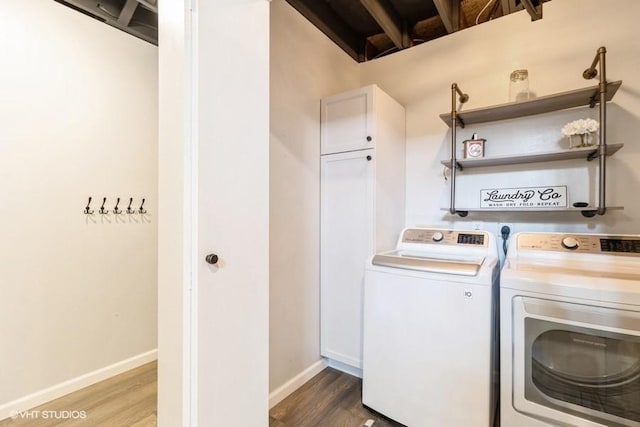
(279, 394)
(51, 393)
(340, 366)
(191, 175)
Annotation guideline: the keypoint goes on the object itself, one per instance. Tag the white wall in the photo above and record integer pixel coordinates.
(555, 50)
(78, 118)
(305, 66)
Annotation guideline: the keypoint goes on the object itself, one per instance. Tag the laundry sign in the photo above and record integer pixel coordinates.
(524, 197)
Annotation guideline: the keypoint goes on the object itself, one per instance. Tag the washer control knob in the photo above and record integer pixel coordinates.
(437, 236)
(570, 243)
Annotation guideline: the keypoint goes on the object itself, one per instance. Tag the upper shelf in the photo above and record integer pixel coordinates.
(542, 104)
(587, 153)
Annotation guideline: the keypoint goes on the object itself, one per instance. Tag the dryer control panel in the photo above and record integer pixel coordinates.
(445, 237)
(582, 243)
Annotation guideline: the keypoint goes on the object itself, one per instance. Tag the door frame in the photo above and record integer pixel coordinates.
(176, 210)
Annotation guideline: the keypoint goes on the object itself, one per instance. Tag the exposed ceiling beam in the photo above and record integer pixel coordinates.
(326, 20)
(387, 17)
(506, 7)
(108, 11)
(152, 5)
(449, 11)
(127, 12)
(510, 6)
(532, 10)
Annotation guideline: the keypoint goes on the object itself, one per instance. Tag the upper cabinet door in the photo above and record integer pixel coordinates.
(347, 121)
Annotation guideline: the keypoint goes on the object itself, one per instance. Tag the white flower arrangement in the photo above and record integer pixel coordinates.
(580, 127)
(584, 128)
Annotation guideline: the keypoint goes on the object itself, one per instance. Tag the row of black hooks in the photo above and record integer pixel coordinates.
(104, 211)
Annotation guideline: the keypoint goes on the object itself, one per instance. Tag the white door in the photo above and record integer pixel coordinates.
(346, 241)
(214, 198)
(233, 213)
(347, 121)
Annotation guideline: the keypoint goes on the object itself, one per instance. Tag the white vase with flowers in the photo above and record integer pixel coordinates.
(581, 132)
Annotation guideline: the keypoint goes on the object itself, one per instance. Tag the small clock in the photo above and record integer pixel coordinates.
(474, 147)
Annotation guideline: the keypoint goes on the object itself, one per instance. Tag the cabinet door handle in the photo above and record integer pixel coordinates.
(369, 138)
(211, 259)
(369, 158)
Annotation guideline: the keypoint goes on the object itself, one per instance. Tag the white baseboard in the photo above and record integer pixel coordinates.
(279, 394)
(51, 393)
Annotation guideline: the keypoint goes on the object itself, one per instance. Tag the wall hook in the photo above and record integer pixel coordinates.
(103, 211)
(129, 210)
(142, 211)
(87, 210)
(115, 209)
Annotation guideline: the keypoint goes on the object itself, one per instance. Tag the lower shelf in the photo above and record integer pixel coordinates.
(588, 211)
(587, 208)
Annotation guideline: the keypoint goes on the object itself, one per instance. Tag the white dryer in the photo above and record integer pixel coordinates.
(570, 330)
(429, 357)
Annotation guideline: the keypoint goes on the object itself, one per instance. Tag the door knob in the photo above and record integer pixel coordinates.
(211, 259)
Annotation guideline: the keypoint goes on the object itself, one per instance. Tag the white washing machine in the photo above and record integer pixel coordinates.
(429, 356)
(570, 330)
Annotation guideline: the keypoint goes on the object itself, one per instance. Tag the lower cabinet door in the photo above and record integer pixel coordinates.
(347, 241)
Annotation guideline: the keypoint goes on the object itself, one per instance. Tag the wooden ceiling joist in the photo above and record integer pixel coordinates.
(389, 20)
(152, 5)
(533, 7)
(532, 10)
(449, 11)
(127, 12)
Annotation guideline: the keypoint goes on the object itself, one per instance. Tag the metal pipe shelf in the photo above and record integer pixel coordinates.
(591, 96)
(544, 104)
(587, 153)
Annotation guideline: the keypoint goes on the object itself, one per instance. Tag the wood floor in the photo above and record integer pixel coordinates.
(330, 399)
(126, 400)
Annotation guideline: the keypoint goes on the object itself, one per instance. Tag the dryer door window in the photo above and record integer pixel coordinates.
(590, 372)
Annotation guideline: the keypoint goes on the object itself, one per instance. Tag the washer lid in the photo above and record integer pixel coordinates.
(410, 260)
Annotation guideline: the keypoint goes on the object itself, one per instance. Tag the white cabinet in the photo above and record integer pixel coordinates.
(362, 209)
(347, 122)
(347, 205)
